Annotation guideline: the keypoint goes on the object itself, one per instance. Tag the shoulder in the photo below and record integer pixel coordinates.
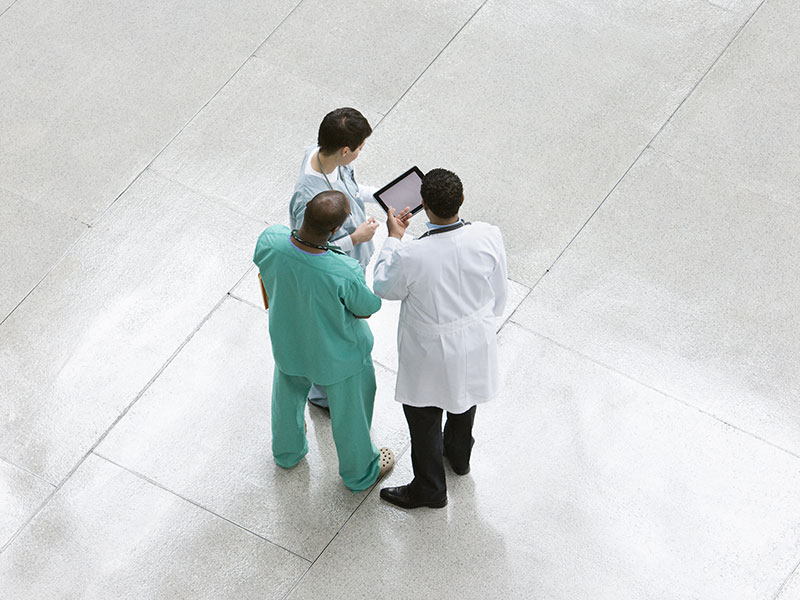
(482, 230)
(273, 233)
(271, 238)
(483, 227)
(308, 185)
(408, 251)
(306, 157)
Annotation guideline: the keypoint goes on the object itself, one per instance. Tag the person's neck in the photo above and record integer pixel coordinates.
(311, 239)
(327, 162)
(439, 221)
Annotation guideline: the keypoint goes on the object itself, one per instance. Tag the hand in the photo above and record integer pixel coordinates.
(364, 232)
(397, 224)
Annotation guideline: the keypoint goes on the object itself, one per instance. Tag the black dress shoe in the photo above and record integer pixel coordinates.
(399, 496)
(457, 469)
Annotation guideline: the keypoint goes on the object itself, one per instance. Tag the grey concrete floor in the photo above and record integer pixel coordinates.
(643, 161)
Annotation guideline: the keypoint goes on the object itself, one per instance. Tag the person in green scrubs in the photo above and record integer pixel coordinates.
(318, 303)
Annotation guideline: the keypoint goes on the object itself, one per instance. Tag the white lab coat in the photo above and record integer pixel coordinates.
(453, 289)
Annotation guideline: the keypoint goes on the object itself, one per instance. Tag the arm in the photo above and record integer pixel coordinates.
(499, 278)
(358, 298)
(363, 233)
(345, 243)
(389, 276)
(297, 208)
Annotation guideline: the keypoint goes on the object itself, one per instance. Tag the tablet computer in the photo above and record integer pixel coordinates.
(401, 192)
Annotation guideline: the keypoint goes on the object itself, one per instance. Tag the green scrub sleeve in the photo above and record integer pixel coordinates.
(359, 299)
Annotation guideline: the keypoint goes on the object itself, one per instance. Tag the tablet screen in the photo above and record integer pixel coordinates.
(402, 192)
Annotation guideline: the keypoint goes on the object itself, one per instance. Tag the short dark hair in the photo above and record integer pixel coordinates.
(442, 192)
(326, 211)
(342, 127)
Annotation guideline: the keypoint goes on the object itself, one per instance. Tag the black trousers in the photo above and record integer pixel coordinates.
(428, 444)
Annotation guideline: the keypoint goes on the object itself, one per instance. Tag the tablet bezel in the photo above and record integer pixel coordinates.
(391, 184)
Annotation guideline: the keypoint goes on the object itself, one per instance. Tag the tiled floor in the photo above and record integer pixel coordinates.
(642, 159)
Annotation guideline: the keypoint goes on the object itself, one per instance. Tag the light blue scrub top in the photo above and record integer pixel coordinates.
(313, 303)
(308, 186)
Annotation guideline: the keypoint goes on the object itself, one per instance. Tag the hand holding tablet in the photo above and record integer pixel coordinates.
(397, 224)
(402, 192)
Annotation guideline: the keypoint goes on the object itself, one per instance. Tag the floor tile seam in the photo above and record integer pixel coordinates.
(196, 504)
(241, 279)
(430, 64)
(216, 201)
(159, 372)
(46, 274)
(685, 403)
(578, 9)
(383, 366)
(650, 143)
(33, 516)
(510, 318)
(191, 120)
(785, 583)
(9, 8)
(45, 208)
(764, 197)
(275, 29)
(708, 70)
(212, 200)
(246, 302)
(121, 416)
(712, 3)
(58, 261)
(369, 494)
(26, 470)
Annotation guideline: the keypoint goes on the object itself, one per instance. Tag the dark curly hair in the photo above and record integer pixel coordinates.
(342, 127)
(442, 192)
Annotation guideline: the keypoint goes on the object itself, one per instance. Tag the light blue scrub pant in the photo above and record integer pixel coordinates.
(351, 402)
(318, 396)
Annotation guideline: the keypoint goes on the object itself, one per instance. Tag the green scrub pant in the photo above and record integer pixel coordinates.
(351, 402)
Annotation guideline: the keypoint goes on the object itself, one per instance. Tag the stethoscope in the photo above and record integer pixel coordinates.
(330, 247)
(341, 178)
(457, 225)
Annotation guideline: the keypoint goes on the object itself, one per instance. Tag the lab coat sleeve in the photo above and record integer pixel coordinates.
(358, 298)
(390, 280)
(499, 278)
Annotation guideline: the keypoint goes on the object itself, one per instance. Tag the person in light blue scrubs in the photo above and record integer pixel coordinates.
(327, 166)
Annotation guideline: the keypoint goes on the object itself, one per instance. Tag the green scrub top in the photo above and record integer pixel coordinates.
(313, 303)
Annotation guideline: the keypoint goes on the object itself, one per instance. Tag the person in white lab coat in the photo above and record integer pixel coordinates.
(453, 287)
